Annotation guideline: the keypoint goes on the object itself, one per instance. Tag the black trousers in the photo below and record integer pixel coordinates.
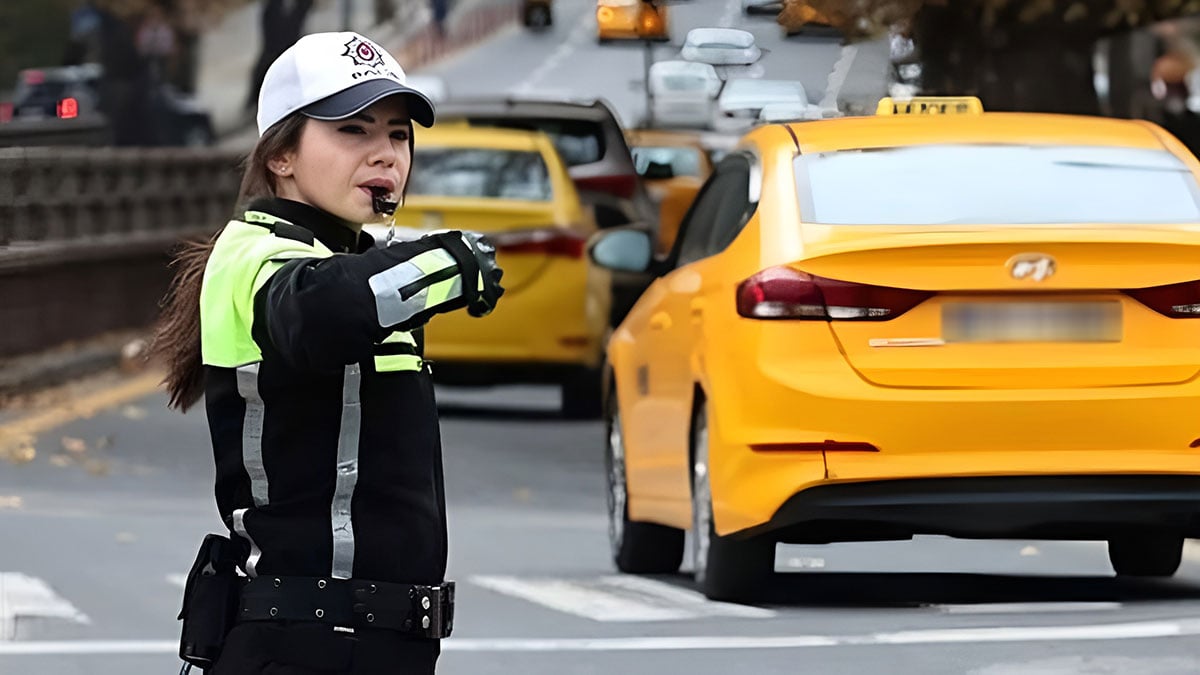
(269, 648)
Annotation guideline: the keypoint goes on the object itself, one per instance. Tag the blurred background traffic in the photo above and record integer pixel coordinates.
(122, 125)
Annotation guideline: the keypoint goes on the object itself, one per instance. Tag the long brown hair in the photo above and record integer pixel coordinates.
(177, 335)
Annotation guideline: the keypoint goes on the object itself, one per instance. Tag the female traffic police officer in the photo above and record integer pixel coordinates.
(299, 331)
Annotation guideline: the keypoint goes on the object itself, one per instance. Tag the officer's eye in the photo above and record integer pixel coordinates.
(400, 135)
(352, 129)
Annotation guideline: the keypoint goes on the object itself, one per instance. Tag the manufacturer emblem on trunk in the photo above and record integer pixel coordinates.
(1033, 266)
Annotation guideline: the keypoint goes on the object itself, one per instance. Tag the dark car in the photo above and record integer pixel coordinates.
(75, 92)
(591, 142)
(537, 14)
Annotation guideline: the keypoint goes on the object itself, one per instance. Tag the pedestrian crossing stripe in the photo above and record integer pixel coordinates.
(26, 597)
(617, 598)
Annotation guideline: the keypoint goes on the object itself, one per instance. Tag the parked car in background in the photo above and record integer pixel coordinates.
(683, 93)
(74, 92)
(553, 322)
(761, 6)
(431, 85)
(537, 14)
(590, 140)
(720, 47)
(632, 20)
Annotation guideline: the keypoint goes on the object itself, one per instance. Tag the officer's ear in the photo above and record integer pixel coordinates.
(281, 165)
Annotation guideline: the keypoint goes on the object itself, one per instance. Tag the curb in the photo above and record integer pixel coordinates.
(28, 373)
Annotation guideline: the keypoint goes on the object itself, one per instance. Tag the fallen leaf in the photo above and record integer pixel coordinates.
(134, 412)
(10, 502)
(75, 445)
(18, 449)
(97, 467)
(61, 461)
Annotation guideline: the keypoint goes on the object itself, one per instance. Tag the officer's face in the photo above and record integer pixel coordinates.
(339, 165)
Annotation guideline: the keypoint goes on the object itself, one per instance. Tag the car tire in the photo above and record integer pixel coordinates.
(1146, 555)
(582, 398)
(637, 548)
(538, 17)
(726, 569)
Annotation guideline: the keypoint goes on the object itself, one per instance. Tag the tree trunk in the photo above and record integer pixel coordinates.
(1009, 65)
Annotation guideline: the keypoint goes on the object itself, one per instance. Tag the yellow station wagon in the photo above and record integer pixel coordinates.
(933, 320)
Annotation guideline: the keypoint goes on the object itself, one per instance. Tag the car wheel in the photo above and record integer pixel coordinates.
(1146, 555)
(724, 568)
(538, 17)
(637, 548)
(582, 398)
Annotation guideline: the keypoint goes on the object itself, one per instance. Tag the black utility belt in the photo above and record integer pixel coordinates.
(413, 609)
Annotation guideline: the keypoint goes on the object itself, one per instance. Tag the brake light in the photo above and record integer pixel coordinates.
(619, 185)
(649, 20)
(6, 112)
(785, 293)
(552, 241)
(68, 109)
(604, 14)
(1178, 301)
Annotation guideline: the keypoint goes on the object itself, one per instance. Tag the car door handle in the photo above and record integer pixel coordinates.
(697, 308)
(660, 321)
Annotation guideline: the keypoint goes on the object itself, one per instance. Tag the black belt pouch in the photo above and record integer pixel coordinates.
(210, 600)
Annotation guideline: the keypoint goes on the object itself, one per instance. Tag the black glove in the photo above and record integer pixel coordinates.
(490, 289)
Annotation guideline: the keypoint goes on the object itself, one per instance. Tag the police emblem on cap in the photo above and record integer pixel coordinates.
(363, 53)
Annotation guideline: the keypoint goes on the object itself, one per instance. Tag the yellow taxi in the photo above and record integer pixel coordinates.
(673, 165)
(551, 325)
(934, 320)
(632, 20)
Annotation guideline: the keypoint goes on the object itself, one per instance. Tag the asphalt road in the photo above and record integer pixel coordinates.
(567, 61)
(101, 524)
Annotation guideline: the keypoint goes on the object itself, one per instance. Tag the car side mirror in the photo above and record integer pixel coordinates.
(677, 199)
(621, 250)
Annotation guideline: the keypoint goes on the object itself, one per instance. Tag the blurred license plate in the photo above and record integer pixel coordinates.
(1031, 321)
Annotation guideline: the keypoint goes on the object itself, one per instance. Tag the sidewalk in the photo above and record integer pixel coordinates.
(228, 51)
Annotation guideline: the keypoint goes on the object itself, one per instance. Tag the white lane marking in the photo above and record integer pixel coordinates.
(1029, 607)
(26, 597)
(683, 597)
(1118, 631)
(733, 9)
(837, 77)
(583, 598)
(576, 37)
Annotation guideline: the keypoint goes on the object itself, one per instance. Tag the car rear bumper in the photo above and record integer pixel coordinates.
(1041, 507)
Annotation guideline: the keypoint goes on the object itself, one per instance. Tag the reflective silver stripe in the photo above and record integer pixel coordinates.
(239, 526)
(252, 428)
(347, 475)
(390, 307)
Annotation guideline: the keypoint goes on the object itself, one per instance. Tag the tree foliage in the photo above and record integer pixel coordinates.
(865, 18)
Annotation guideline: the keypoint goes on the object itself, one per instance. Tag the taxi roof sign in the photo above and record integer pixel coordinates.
(930, 105)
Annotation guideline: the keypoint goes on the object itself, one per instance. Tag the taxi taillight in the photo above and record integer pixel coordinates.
(551, 241)
(786, 293)
(1178, 301)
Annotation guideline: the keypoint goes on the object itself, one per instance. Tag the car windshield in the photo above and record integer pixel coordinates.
(762, 92)
(996, 185)
(480, 172)
(683, 161)
(577, 141)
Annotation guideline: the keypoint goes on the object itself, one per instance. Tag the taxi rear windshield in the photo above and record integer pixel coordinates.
(996, 185)
(480, 172)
